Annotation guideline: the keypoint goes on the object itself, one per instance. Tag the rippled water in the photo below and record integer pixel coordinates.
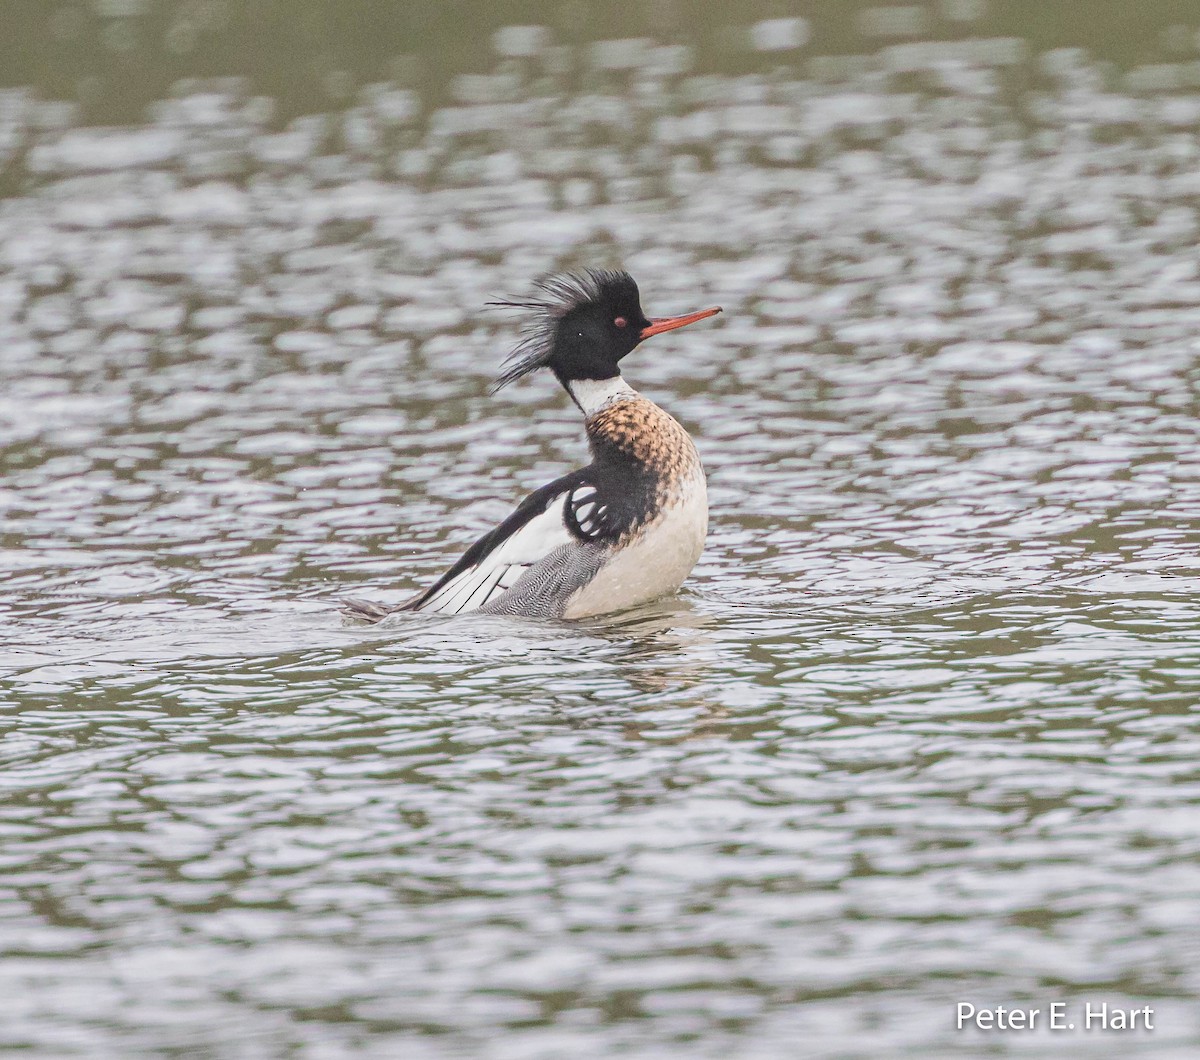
(921, 728)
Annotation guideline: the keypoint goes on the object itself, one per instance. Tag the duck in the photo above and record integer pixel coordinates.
(626, 529)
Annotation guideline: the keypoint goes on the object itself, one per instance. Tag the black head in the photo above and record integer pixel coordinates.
(584, 325)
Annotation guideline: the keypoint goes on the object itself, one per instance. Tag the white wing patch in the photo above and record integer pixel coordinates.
(501, 568)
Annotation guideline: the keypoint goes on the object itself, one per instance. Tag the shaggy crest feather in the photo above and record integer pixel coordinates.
(552, 299)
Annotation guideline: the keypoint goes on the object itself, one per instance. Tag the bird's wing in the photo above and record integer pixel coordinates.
(567, 511)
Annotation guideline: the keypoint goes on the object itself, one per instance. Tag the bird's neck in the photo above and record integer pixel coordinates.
(593, 395)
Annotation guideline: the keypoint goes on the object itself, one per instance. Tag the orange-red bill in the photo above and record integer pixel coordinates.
(660, 324)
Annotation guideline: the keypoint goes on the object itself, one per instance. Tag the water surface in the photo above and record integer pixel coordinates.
(921, 727)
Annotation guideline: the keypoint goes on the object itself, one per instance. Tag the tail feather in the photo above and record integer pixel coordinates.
(367, 610)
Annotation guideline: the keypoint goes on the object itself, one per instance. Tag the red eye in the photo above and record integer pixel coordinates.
(620, 322)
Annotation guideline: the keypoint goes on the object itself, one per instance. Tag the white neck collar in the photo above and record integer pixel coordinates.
(592, 395)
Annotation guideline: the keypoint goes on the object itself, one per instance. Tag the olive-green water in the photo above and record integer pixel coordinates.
(920, 730)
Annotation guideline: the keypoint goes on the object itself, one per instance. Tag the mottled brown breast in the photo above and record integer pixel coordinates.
(638, 430)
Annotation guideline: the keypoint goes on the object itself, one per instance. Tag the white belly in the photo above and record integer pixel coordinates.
(656, 563)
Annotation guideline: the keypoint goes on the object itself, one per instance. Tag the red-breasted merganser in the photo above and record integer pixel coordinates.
(626, 529)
